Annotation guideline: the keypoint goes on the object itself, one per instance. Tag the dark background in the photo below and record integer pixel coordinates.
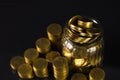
(22, 23)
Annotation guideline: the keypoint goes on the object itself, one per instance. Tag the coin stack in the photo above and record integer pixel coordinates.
(43, 45)
(16, 61)
(61, 68)
(52, 55)
(54, 33)
(30, 55)
(97, 74)
(40, 67)
(25, 71)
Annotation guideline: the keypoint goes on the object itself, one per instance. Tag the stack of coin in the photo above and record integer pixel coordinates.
(78, 76)
(61, 68)
(16, 61)
(43, 45)
(97, 74)
(54, 32)
(30, 55)
(25, 71)
(40, 67)
(52, 55)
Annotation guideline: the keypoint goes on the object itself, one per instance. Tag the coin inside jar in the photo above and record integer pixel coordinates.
(16, 61)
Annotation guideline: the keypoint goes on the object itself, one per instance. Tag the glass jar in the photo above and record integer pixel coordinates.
(82, 42)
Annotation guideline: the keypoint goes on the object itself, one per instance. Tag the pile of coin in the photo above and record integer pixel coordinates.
(82, 42)
(35, 62)
(47, 59)
(83, 30)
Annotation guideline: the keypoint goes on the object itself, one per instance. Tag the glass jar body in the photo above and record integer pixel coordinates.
(84, 55)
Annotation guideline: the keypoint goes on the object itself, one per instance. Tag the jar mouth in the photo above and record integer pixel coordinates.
(83, 31)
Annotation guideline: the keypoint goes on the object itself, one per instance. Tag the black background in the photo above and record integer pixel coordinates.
(22, 23)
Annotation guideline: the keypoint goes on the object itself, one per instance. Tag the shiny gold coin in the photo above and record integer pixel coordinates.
(81, 53)
(86, 24)
(43, 45)
(97, 74)
(76, 28)
(52, 55)
(79, 76)
(40, 67)
(73, 19)
(66, 53)
(25, 71)
(79, 62)
(30, 55)
(54, 32)
(16, 61)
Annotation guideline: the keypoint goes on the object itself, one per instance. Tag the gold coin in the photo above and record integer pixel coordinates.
(78, 76)
(40, 67)
(76, 28)
(97, 74)
(30, 55)
(54, 32)
(66, 53)
(79, 62)
(16, 61)
(43, 45)
(80, 53)
(86, 24)
(25, 71)
(73, 19)
(52, 55)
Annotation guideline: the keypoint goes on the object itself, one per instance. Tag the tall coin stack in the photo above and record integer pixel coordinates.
(61, 68)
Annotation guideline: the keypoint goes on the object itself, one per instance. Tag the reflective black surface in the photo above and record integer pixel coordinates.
(22, 23)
